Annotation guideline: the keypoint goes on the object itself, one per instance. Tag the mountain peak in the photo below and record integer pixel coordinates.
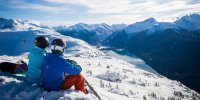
(195, 15)
(140, 26)
(189, 22)
(81, 23)
(6, 23)
(150, 20)
(192, 16)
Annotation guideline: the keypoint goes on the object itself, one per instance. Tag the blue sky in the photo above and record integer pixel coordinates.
(61, 12)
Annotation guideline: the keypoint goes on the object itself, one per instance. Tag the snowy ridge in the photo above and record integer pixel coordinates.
(140, 26)
(90, 27)
(161, 26)
(92, 33)
(96, 33)
(20, 25)
(118, 27)
(189, 22)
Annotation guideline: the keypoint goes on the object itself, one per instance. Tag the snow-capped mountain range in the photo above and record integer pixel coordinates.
(188, 22)
(100, 32)
(171, 48)
(112, 78)
(91, 33)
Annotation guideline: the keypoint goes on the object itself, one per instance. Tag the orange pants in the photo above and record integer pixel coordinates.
(76, 80)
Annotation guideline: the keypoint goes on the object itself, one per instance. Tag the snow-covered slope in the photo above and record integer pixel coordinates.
(140, 26)
(112, 78)
(161, 26)
(20, 25)
(189, 22)
(118, 27)
(80, 27)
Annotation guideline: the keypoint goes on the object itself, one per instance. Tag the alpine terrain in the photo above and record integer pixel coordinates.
(110, 77)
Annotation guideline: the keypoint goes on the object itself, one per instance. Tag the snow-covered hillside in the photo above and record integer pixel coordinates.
(20, 25)
(111, 77)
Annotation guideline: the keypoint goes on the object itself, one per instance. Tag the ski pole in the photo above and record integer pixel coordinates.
(92, 89)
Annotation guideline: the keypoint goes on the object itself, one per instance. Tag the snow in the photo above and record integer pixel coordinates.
(140, 26)
(132, 59)
(112, 76)
(189, 22)
(99, 32)
(118, 27)
(20, 25)
(161, 26)
(14, 87)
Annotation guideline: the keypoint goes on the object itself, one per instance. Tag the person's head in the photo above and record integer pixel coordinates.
(58, 46)
(42, 42)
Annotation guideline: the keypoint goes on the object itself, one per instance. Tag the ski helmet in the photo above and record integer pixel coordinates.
(58, 46)
(42, 42)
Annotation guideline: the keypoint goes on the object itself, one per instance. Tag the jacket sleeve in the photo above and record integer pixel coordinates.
(69, 68)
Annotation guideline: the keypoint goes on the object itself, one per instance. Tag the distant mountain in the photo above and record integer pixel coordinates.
(172, 49)
(151, 26)
(140, 26)
(189, 22)
(118, 27)
(16, 24)
(93, 33)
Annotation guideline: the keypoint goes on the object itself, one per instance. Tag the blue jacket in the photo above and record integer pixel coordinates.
(53, 71)
(36, 59)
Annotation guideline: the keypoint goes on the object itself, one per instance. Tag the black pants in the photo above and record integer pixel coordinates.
(7, 67)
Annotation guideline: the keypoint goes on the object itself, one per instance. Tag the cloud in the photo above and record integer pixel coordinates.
(191, 2)
(129, 6)
(109, 11)
(129, 11)
(21, 4)
(42, 8)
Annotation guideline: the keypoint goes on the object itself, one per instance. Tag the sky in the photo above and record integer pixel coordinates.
(65, 12)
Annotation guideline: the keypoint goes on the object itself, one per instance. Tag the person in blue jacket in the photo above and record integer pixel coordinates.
(58, 73)
(36, 60)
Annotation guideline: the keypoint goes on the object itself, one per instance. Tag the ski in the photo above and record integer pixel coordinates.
(91, 89)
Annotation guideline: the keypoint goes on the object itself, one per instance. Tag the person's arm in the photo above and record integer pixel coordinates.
(70, 68)
(72, 61)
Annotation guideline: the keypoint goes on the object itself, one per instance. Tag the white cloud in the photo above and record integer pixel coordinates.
(130, 11)
(43, 8)
(39, 7)
(128, 6)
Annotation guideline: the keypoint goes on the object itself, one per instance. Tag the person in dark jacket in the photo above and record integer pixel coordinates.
(58, 73)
